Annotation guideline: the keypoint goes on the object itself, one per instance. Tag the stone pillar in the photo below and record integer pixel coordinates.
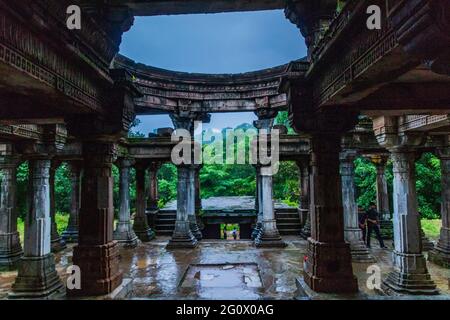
(303, 167)
(352, 232)
(386, 226)
(269, 235)
(70, 235)
(441, 253)
(327, 264)
(182, 236)
(57, 243)
(191, 204)
(140, 227)
(382, 189)
(124, 233)
(410, 275)
(198, 197)
(258, 204)
(153, 198)
(97, 254)
(10, 248)
(37, 276)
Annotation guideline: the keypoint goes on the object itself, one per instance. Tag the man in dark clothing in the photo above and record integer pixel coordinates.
(362, 221)
(225, 235)
(373, 225)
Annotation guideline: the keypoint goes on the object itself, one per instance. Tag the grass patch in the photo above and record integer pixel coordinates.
(432, 228)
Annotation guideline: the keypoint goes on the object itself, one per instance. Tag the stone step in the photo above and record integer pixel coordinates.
(165, 226)
(287, 220)
(165, 220)
(288, 225)
(168, 217)
(289, 232)
(287, 215)
(164, 233)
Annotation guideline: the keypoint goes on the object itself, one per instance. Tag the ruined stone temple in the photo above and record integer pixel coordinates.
(68, 96)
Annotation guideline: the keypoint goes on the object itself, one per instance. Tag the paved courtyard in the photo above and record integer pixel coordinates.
(222, 270)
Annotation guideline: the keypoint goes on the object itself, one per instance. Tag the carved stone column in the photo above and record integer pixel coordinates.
(141, 227)
(153, 197)
(327, 265)
(71, 233)
(37, 276)
(186, 229)
(182, 236)
(352, 232)
(303, 167)
(410, 275)
(198, 197)
(268, 235)
(10, 248)
(386, 226)
(57, 243)
(441, 253)
(97, 254)
(191, 205)
(258, 204)
(124, 233)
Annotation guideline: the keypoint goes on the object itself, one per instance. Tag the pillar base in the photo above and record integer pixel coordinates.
(37, 279)
(427, 245)
(125, 235)
(305, 233)
(145, 235)
(70, 235)
(142, 230)
(439, 257)
(360, 253)
(269, 237)
(328, 268)
(99, 265)
(182, 237)
(58, 245)
(10, 251)
(256, 231)
(415, 282)
(358, 249)
(194, 228)
(151, 215)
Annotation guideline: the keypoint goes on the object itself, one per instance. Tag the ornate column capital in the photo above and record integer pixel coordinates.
(311, 17)
(125, 162)
(185, 115)
(388, 135)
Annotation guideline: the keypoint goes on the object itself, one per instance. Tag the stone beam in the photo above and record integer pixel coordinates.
(170, 7)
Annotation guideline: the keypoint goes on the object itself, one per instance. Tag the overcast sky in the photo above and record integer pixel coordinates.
(213, 43)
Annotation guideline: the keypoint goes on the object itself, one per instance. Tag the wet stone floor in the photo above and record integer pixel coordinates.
(222, 270)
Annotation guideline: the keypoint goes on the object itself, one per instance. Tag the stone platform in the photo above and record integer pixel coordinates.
(217, 269)
(228, 204)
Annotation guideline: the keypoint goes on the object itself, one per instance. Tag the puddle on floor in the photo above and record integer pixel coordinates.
(224, 281)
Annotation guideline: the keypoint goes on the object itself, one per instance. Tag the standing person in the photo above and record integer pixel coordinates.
(225, 236)
(373, 224)
(234, 233)
(362, 221)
